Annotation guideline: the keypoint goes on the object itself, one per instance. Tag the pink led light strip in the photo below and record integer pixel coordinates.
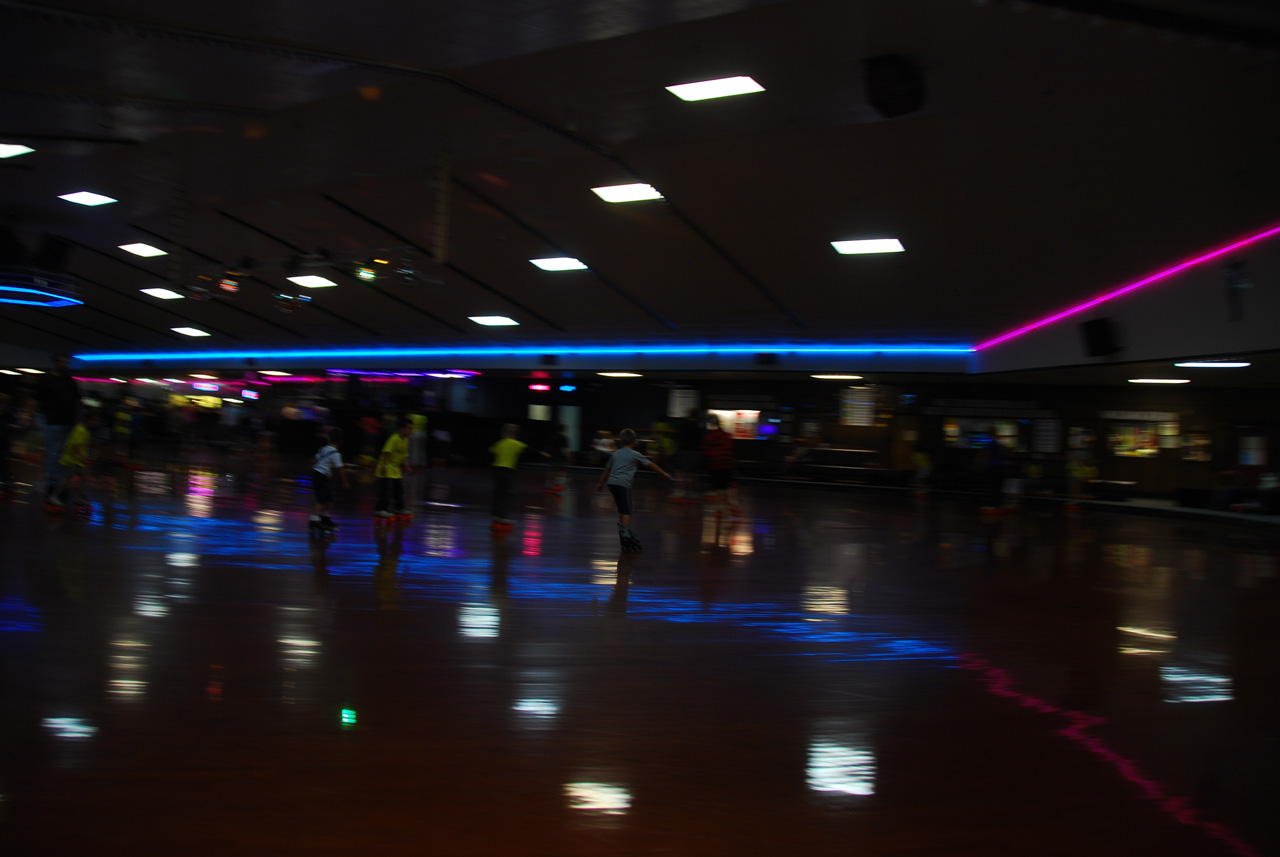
(1160, 275)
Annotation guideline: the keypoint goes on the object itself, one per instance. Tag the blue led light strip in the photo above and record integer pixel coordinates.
(58, 300)
(780, 348)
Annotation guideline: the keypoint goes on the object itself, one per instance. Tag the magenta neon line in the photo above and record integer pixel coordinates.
(1160, 275)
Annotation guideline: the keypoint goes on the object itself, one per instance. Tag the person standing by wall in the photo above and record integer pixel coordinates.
(717, 454)
(59, 398)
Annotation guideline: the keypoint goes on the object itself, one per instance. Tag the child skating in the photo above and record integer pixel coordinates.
(328, 461)
(390, 474)
(74, 462)
(506, 456)
(619, 471)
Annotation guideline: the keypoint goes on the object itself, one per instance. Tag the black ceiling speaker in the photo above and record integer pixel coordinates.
(895, 86)
(1099, 337)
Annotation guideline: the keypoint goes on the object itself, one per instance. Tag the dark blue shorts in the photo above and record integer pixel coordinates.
(322, 485)
(622, 498)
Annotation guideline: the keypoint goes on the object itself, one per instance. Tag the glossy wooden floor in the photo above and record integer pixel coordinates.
(835, 673)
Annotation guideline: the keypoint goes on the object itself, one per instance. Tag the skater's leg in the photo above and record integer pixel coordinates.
(397, 496)
(384, 495)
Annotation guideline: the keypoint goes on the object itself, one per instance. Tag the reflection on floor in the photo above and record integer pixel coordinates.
(188, 672)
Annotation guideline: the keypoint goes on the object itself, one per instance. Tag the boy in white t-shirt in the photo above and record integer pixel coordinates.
(618, 473)
(328, 459)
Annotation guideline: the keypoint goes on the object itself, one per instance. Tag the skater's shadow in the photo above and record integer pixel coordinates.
(390, 543)
(616, 606)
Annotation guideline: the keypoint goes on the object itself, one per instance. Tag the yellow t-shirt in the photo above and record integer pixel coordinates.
(506, 452)
(394, 452)
(76, 451)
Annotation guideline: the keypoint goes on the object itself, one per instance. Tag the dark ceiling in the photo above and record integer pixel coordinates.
(1061, 149)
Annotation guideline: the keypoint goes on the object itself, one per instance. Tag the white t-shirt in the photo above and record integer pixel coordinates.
(327, 459)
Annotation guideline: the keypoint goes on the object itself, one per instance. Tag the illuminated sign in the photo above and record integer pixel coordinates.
(208, 388)
(249, 394)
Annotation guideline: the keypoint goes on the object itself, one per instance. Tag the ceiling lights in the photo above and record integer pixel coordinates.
(162, 294)
(189, 331)
(12, 150)
(626, 192)
(493, 320)
(85, 197)
(274, 372)
(206, 377)
(868, 245)
(31, 371)
(620, 374)
(144, 250)
(1216, 364)
(1159, 380)
(837, 377)
(721, 88)
(559, 263)
(312, 281)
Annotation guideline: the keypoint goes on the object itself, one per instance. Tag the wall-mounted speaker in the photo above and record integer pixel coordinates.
(1100, 339)
(894, 84)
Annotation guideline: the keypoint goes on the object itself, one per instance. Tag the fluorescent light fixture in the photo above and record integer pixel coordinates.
(868, 245)
(493, 320)
(1145, 281)
(837, 377)
(234, 401)
(189, 331)
(144, 250)
(12, 150)
(537, 350)
(162, 294)
(312, 281)
(1220, 364)
(626, 192)
(559, 263)
(206, 377)
(174, 381)
(722, 88)
(1159, 380)
(9, 372)
(31, 371)
(275, 372)
(620, 374)
(84, 197)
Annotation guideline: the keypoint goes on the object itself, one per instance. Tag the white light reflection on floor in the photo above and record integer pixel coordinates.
(478, 620)
(598, 797)
(125, 668)
(74, 728)
(1194, 685)
(840, 760)
(825, 599)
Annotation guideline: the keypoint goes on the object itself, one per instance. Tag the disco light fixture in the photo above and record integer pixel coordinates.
(536, 351)
(866, 246)
(1123, 290)
(144, 250)
(626, 192)
(12, 150)
(85, 197)
(721, 88)
(559, 263)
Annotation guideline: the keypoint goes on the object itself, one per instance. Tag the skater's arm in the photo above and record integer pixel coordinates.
(604, 475)
(664, 474)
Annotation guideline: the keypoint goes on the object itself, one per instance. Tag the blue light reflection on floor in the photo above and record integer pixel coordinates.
(456, 578)
(17, 616)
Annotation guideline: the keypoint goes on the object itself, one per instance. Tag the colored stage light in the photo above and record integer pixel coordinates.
(1145, 281)
(567, 388)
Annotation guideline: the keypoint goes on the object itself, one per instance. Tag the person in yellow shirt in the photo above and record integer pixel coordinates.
(74, 462)
(390, 472)
(506, 455)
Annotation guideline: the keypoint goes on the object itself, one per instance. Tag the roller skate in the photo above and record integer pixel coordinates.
(630, 543)
(384, 518)
(403, 516)
(323, 528)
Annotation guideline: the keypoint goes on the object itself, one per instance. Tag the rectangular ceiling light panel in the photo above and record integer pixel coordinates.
(626, 192)
(162, 294)
(868, 245)
(189, 331)
(12, 150)
(84, 197)
(144, 250)
(1212, 365)
(493, 320)
(559, 263)
(312, 281)
(722, 88)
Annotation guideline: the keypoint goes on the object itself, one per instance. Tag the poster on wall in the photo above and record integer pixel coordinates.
(739, 424)
(681, 403)
(858, 406)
